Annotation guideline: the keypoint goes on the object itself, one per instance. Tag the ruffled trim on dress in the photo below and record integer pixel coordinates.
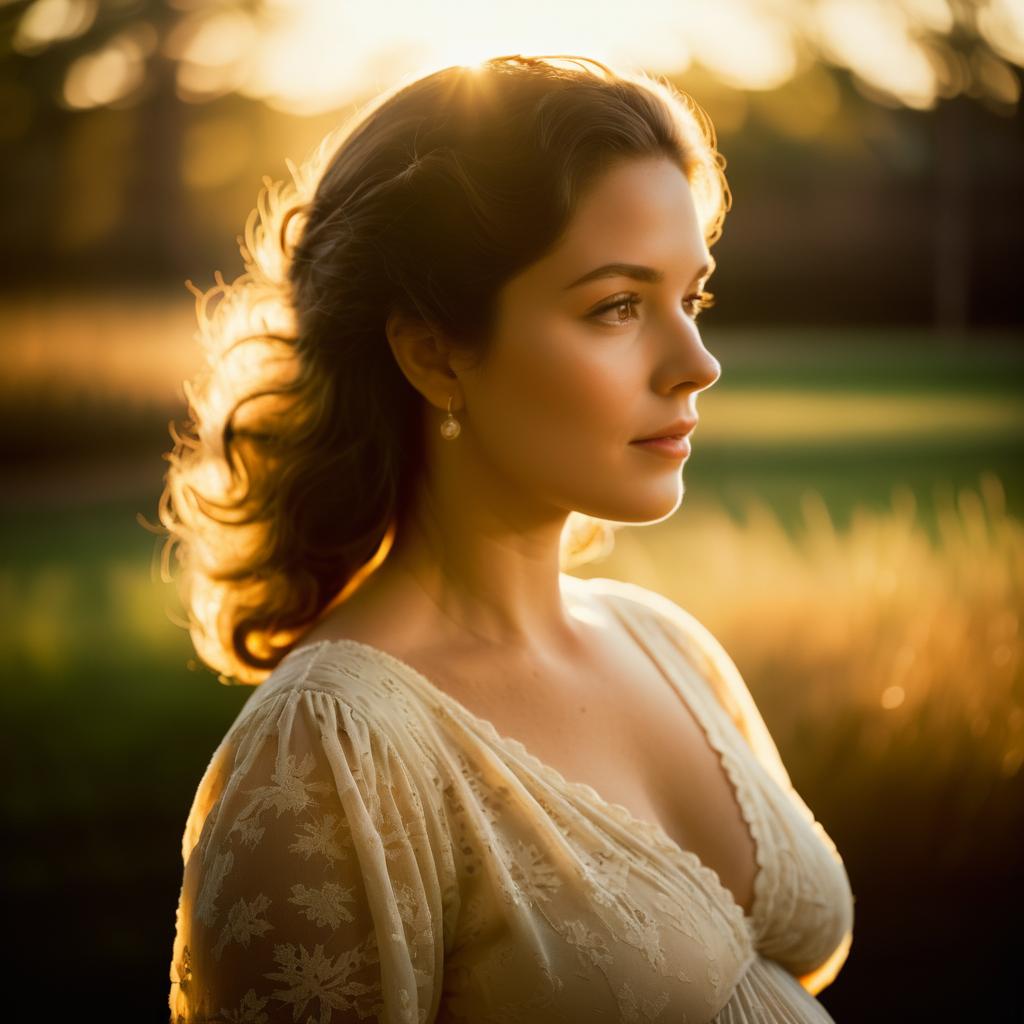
(740, 782)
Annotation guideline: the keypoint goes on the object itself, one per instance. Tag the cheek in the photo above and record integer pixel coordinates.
(564, 389)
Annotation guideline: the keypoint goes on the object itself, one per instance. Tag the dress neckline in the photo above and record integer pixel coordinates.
(584, 792)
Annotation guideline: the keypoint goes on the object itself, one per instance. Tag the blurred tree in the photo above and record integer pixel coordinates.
(96, 101)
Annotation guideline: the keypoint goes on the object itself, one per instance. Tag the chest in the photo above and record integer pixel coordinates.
(618, 725)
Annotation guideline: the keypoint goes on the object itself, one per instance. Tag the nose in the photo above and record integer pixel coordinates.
(689, 363)
(710, 369)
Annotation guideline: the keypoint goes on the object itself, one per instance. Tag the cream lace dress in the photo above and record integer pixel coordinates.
(361, 846)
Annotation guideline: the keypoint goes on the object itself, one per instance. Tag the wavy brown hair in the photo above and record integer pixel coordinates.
(304, 446)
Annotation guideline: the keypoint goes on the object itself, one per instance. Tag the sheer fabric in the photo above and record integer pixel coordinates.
(361, 846)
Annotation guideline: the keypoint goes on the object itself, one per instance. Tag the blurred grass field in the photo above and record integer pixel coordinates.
(852, 532)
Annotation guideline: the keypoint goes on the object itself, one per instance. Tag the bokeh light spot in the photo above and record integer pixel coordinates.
(893, 697)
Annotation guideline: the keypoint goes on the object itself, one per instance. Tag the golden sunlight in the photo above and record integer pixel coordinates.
(314, 55)
(320, 53)
(111, 73)
(893, 697)
(875, 39)
(745, 47)
(310, 57)
(1001, 23)
(212, 50)
(49, 21)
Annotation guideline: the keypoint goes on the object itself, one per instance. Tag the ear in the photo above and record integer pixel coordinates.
(426, 358)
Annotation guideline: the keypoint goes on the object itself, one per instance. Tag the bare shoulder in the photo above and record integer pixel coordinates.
(682, 624)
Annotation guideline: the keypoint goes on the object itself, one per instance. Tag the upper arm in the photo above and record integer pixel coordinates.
(313, 890)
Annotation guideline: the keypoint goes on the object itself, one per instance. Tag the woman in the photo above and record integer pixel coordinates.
(472, 787)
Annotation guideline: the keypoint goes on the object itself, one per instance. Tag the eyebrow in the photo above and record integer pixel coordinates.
(635, 271)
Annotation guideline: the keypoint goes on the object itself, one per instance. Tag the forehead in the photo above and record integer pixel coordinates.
(639, 211)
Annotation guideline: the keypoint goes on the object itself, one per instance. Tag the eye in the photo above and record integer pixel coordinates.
(619, 302)
(693, 305)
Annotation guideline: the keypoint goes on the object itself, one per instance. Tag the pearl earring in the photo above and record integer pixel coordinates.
(450, 427)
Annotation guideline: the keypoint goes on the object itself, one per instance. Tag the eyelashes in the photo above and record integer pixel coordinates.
(695, 304)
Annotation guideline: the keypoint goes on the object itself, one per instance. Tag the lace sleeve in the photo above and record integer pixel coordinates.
(312, 889)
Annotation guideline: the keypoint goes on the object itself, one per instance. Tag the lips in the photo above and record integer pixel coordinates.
(680, 428)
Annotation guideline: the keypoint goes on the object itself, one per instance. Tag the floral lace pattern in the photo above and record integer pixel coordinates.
(363, 847)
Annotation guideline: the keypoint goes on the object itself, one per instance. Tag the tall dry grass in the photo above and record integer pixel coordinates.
(916, 629)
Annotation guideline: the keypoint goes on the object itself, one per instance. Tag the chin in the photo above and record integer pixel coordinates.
(649, 503)
(663, 510)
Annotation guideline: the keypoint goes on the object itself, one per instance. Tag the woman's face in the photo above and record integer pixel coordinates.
(578, 371)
